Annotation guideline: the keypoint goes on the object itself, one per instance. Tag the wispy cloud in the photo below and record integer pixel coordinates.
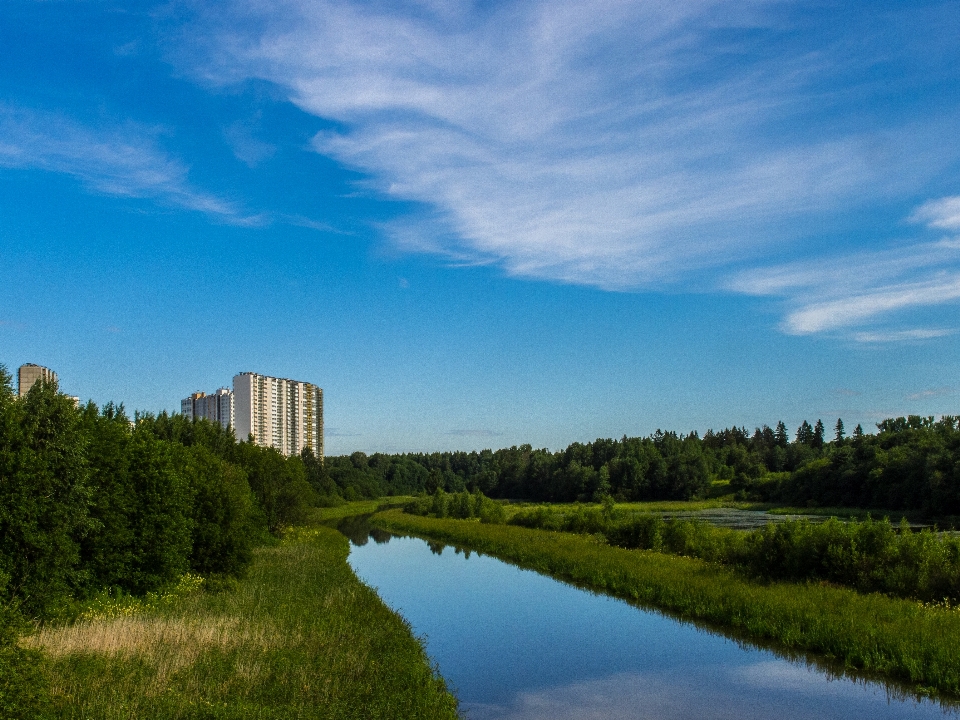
(930, 393)
(847, 392)
(121, 160)
(335, 433)
(475, 432)
(247, 148)
(844, 293)
(943, 213)
(894, 336)
(588, 141)
(310, 224)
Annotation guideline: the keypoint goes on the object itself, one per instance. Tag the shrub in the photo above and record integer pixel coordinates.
(23, 682)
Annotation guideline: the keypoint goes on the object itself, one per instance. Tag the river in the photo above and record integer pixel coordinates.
(514, 645)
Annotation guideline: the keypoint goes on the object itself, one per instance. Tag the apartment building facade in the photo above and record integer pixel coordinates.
(29, 374)
(278, 412)
(217, 407)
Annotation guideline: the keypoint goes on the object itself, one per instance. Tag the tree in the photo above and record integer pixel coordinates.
(603, 485)
(44, 496)
(780, 435)
(222, 532)
(817, 440)
(838, 431)
(317, 474)
(279, 484)
(161, 522)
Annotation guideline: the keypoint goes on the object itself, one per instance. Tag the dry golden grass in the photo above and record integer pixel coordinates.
(149, 636)
(167, 644)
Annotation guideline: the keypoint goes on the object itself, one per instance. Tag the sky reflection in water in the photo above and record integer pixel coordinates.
(515, 644)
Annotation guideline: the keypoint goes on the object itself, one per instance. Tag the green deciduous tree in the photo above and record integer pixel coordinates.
(44, 496)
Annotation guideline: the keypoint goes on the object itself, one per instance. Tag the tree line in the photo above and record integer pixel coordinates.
(910, 464)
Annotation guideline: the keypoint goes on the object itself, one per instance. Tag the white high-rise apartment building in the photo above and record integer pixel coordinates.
(216, 408)
(30, 374)
(279, 413)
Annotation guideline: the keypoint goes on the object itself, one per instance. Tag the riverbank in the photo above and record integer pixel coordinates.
(900, 639)
(299, 637)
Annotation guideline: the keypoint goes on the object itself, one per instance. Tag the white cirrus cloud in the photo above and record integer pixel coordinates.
(896, 336)
(844, 293)
(121, 160)
(943, 213)
(855, 308)
(600, 142)
(930, 393)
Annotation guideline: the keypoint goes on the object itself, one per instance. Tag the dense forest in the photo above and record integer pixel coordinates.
(911, 464)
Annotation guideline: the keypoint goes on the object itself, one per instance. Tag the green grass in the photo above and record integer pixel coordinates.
(357, 507)
(900, 639)
(667, 506)
(299, 637)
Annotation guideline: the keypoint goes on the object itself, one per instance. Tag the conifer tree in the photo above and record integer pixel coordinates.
(780, 435)
(817, 440)
(838, 430)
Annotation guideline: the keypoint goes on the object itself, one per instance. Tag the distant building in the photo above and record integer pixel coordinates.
(188, 406)
(217, 407)
(279, 413)
(30, 374)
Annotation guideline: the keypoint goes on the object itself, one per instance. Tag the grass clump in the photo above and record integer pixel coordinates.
(901, 639)
(298, 637)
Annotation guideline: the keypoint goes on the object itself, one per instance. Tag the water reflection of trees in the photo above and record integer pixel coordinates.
(380, 537)
(359, 530)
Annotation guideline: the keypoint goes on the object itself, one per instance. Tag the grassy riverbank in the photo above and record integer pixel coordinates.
(898, 638)
(299, 637)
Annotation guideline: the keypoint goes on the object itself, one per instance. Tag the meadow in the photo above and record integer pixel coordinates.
(299, 636)
(906, 640)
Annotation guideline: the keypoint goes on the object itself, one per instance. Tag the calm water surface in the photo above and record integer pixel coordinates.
(514, 644)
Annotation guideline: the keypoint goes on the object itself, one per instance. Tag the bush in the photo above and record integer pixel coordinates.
(461, 505)
(23, 682)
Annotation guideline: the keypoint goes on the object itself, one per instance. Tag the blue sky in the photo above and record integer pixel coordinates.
(482, 224)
